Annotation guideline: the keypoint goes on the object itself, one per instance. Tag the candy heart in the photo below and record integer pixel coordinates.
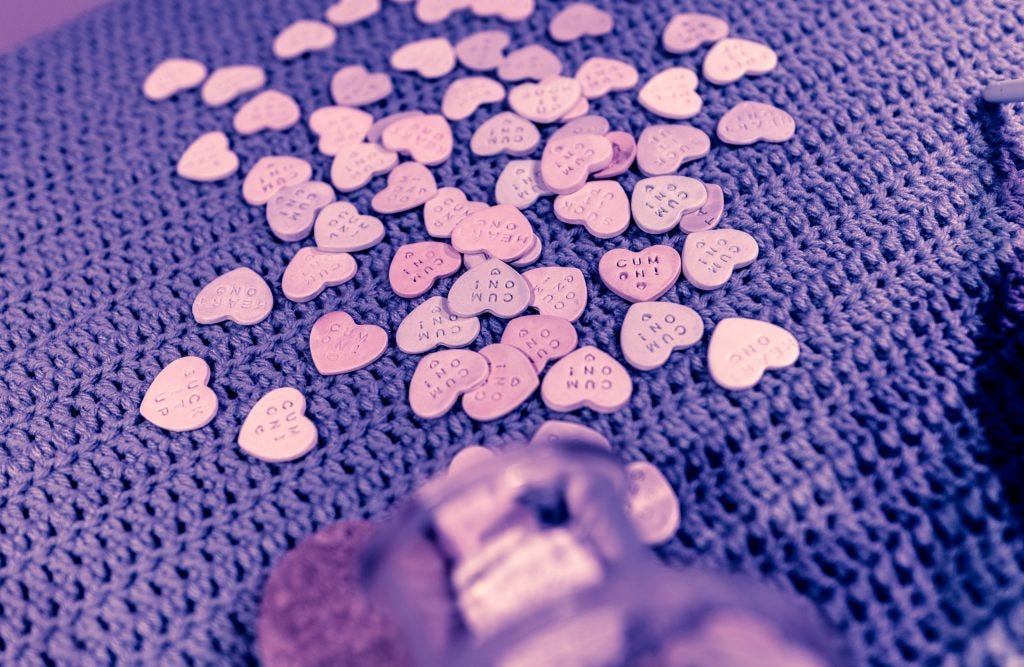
(468, 458)
(482, 51)
(578, 20)
(427, 138)
(472, 260)
(623, 154)
(530, 62)
(435, 11)
(208, 158)
(409, 185)
(383, 123)
(311, 271)
(640, 276)
(588, 378)
(431, 324)
(464, 96)
(567, 162)
(519, 184)
(600, 76)
(356, 164)
(510, 381)
(354, 86)
(293, 209)
(446, 209)
(578, 110)
(339, 345)
(501, 231)
(416, 266)
(652, 505)
(686, 32)
(662, 149)
(227, 83)
(584, 125)
(672, 93)
(709, 257)
(531, 255)
(179, 398)
(731, 58)
(542, 338)
(302, 37)
(555, 432)
(441, 377)
(750, 122)
(600, 206)
(270, 174)
(347, 12)
(431, 58)
(707, 216)
(338, 127)
(270, 110)
(545, 102)
(173, 76)
(492, 287)
(239, 295)
(507, 10)
(660, 202)
(741, 350)
(651, 331)
(559, 291)
(276, 428)
(340, 228)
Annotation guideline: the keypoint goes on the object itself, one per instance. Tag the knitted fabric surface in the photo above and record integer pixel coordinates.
(879, 477)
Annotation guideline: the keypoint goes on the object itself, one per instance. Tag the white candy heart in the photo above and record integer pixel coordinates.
(431, 324)
(356, 164)
(338, 127)
(270, 110)
(710, 257)
(732, 58)
(464, 96)
(354, 86)
(427, 138)
(531, 255)
(482, 51)
(240, 295)
(707, 216)
(276, 428)
(600, 206)
(662, 149)
(227, 83)
(547, 101)
(579, 19)
(560, 291)
(672, 93)
(435, 11)
(660, 202)
(493, 287)
(587, 377)
(347, 12)
(340, 228)
(741, 350)
(599, 76)
(293, 209)
(505, 133)
(178, 398)
(431, 58)
(302, 37)
(510, 381)
(208, 158)
(653, 507)
(446, 209)
(686, 32)
(173, 76)
(506, 10)
(529, 62)
(750, 122)
(520, 184)
(270, 174)
(311, 271)
(652, 330)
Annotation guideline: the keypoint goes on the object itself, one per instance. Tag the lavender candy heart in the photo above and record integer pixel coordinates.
(651, 331)
(520, 184)
(431, 324)
(662, 149)
(292, 211)
(659, 203)
(558, 432)
(750, 122)
(493, 287)
(482, 51)
(707, 216)
(241, 296)
(710, 257)
(179, 398)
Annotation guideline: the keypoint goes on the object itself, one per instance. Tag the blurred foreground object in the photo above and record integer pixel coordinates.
(1004, 91)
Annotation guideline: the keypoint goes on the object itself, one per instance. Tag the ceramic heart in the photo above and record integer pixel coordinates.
(270, 174)
(707, 216)
(347, 12)
(560, 291)
(227, 83)
(652, 505)
(240, 295)
(446, 209)
(510, 381)
(652, 331)
(710, 257)
(431, 58)
(750, 122)
(731, 58)
(356, 164)
(501, 231)
(640, 276)
(178, 398)
(427, 138)
(339, 345)
(520, 184)
(662, 149)
(276, 428)
(409, 185)
(464, 96)
(507, 10)
(293, 209)
(340, 228)
(482, 51)
(311, 271)
(579, 19)
(741, 350)
(660, 202)
(529, 62)
(587, 377)
(567, 162)
(354, 86)
(542, 338)
(493, 287)
(173, 76)
(623, 154)
(600, 206)
(431, 324)
(672, 93)
(301, 37)
(435, 11)
(687, 31)
(545, 101)
(338, 127)
(270, 110)
(599, 76)
(442, 377)
(417, 266)
(208, 158)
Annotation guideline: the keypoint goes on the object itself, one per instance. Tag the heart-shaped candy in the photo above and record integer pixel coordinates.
(468, 458)
(659, 202)
(474, 259)
(750, 122)
(446, 209)
(311, 271)
(347, 12)
(686, 32)
(466, 95)
(431, 58)
(577, 20)
(546, 101)
(179, 398)
(578, 110)
(270, 110)
(651, 331)
(520, 184)
(623, 154)
(482, 51)
(710, 257)
(530, 62)
(384, 122)
(227, 83)
(653, 507)
(531, 255)
(560, 291)
(567, 162)
(506, 10)
(270, 174)
(662, 149)
(208, 158)
(672, 93)
(492, 287)
(427, 138)
(542, 338)
(741, 350)
(293, 209)
(303, 36)
(732, 58)
(356, 164)
(707, 216)
(173, 76)
(409, 185)
(435, 11)
(510, 381)
(599, 76)
(338, 127)
(431, 324)
(340, 228)
(240, 295)
(640, 276)
(354, 86)
(587, 377)
(441, 377)
(591, 124)
(600, 206)
(501, 231)
(416, 266)
(276, 428)
(339, 345)
(555, 432)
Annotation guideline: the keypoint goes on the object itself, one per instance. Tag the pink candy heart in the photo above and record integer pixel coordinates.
(623, 154)
(302, 37)
(347, 12)
(709, 257)
(431, 58)
(660, 202)
(270, 110)
(542, 338)
(272, 173)
(672, 93)
(208, 158)
(492, 287)
(587, 377)
(173, 76)
(501, 231)
(416, 266)
(240, 295)
(354, 86)
(651, 331)
(599, 76)
(686, 32)
(293, 209)
(427, 138)
(409, 185)
(731, 58)
(446, 209)
(356, 164)
(482, 51)
(741, 350)
(435, 11)
(441, 377)
(431, 324)
(464, 96)
(529, 62)
(276, 428)
(554, 432)
(339, 126)
(506, 10)
(178, 398)
(510, 381)
(340, 228)
(339, 345)
(546, 101)
(519, 184)
(567, 162)
(578, 20)
(584, 125)
(600, 206)
(640, 276)
(707, 216)
(384, 122)
(505, 133)
(311, 271)
(750, 122)
(559, 291)
(662, 149)
(227, 83)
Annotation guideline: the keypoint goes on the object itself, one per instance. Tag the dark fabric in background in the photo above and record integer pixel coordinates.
(879, 477)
